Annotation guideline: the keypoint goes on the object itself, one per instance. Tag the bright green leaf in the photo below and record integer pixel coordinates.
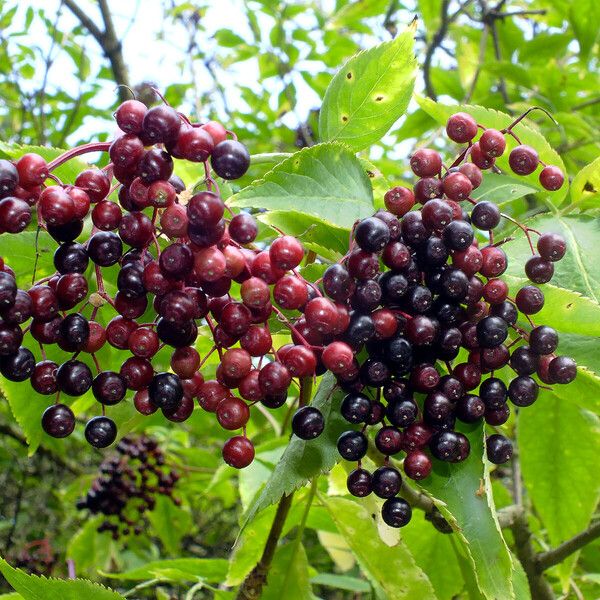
(585, 188)
(289, 572)
(391, 569)
(462, 492)
(369, 93)
(326, 181)
(32, 587)
(501, 189)
(211, 570)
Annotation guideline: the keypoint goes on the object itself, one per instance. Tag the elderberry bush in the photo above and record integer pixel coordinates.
(428, 321)
(128, 485)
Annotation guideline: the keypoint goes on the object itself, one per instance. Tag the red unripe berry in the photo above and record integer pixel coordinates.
(300, 361)
(130, 116)
(426, 162)
(494, 261)
(461, 128)
(210, 394)
(290, 292)
(399, 200)
(473, 172)
(236, 363)
(492, 143)
(32, 169)
(238, 452)
(216, 131)
(457, 186)
(255, 292)
(185, 362)
(321, 315)
(481, 160)
(286, 253)
(523, 160)
(551, 178)
(257, 340)
(337, 357)
(232, 413)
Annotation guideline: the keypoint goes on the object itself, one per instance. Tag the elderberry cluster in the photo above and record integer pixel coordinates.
(128, 485)
(429, 321)
(176, 254)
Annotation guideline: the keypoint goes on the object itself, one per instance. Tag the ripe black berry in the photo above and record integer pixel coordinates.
(100, 432)
(308, 423)
(396, 512)
(499, 449)
(352, 445)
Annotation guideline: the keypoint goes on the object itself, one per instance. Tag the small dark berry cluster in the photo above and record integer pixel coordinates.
(128, 485)
(417, 289)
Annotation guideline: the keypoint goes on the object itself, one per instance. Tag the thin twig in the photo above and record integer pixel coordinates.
(548, 559)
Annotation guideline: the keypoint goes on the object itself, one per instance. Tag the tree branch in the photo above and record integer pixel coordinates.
(435, 42)
(251, 588)
(107, 40)
(548, 559)
(540, 588)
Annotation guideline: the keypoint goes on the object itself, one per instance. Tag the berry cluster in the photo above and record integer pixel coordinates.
(177, 255)
(128, 485)
(429, 321)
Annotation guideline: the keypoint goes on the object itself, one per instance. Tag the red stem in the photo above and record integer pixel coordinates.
(78, 151)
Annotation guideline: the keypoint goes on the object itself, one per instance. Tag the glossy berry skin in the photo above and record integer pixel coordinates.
(425, 162)
(109, 388)
(492, 143)
(445, 446)
(74, 378)
(238, 452)
(359, 483)
(18, 366)
(355, 408)
(286, 253)
(551, 246)
(232, 413)
(461, 128)
(230, 159)
(562, 369)
(243, 228)
(523, 160)
(308, 423)
(417, 465)
(386, 482)
(389, 440)
(372, 234)
(529, 300)
(551, 178)
(491, 332)
(352, 445)
(396, 512)
(458, 235)
(543, 339)
(58, 421)
(499, 449)
(399, 200)
(539, 270)
(100, 432)
(485, 215)
(105, 248)
(523, 391)
(165, 391)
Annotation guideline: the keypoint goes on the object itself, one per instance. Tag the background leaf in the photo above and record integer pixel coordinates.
(326, 181)
(392, 570)
(462, 493)
(369, 93)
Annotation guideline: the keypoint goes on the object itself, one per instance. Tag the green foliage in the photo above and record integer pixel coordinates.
(488, 65)
(32, 587)
(326, 181)
(369, 94)
(391, 569)
(463, 494)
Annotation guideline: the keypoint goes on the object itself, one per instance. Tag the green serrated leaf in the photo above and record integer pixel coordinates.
(314, 233)
(326, 181)
(584, 16)
(289, 572)
(462, 492)
(32, 587)
(499, 120)
(211, 570)
(302, 459)
(430, 549)
(585, 188)
(89, 549)
(369, 93)
(342, 582)
(391, 569)
(579, 270)
(558, 441)
(501, 189)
